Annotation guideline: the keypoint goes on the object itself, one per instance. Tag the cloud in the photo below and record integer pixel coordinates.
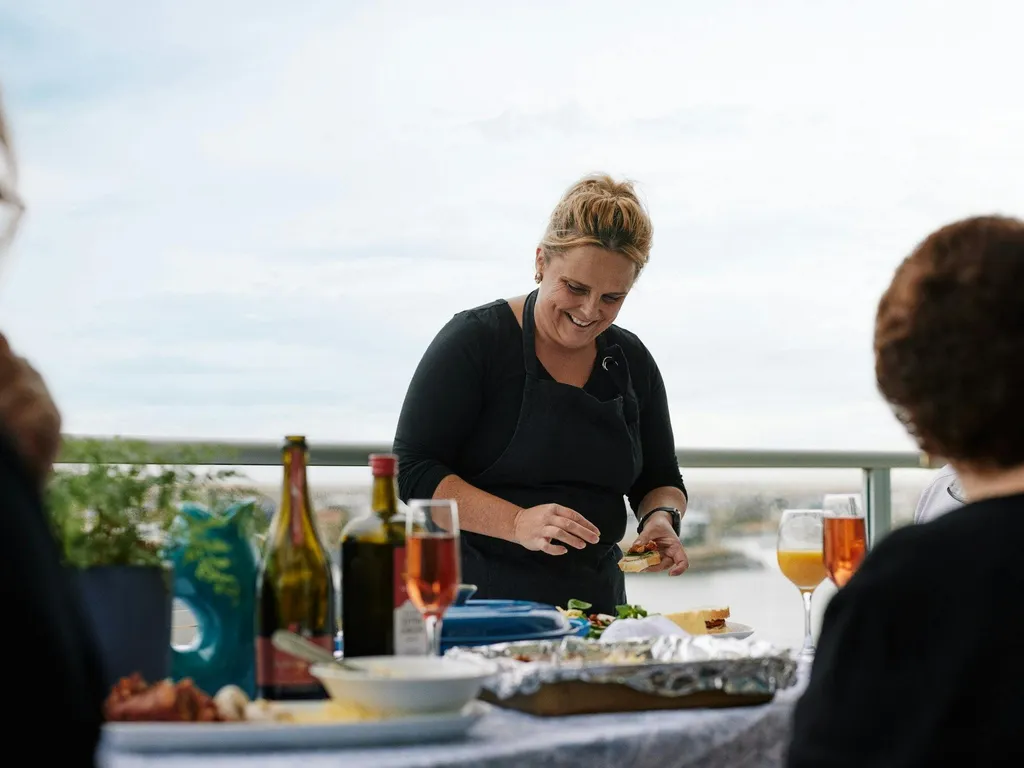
(245, 216)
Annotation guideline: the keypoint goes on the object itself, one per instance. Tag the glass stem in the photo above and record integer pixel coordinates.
(808, 637)
(433, 623)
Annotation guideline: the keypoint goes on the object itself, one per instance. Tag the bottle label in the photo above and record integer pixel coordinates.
(410, 631)
(275, 667)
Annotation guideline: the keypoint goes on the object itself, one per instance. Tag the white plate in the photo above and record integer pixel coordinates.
(735, 630)
(261, 735)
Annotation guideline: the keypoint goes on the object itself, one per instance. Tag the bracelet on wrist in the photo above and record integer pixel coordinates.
(675, 517)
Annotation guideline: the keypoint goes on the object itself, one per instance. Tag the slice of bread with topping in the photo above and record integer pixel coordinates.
(701, 621)
(640, 557)
(637, 563)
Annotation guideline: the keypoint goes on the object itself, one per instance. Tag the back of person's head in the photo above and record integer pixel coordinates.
(597, 210)
(949, 343)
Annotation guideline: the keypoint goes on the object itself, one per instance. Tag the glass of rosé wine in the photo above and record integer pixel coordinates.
(432, 567)
(845, 535)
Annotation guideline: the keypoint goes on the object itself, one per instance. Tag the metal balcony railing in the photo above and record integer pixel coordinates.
(876, 466)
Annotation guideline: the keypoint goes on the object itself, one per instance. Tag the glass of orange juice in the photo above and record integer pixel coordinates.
(802, 561)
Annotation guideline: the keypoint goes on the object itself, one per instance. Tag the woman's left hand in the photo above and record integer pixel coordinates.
(673, 556)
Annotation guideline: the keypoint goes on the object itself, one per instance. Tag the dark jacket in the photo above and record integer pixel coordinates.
(52, 673)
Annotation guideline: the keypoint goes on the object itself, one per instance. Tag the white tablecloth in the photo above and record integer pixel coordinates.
(744, 737)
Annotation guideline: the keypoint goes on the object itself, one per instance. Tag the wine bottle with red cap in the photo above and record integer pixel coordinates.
(377, 617)
(295, 587)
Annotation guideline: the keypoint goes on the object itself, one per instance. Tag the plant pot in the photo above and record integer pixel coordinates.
(130, 610)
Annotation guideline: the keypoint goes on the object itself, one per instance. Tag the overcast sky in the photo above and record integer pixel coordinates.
(249, 218)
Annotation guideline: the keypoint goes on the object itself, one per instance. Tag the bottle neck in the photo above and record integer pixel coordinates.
(295, 514)
(384, 499)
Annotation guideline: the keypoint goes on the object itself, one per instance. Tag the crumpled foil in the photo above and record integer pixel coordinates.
(666, 666)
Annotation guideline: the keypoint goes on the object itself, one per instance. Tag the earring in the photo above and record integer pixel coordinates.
(538, 277)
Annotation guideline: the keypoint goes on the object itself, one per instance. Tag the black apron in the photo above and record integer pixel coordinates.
(572, 449)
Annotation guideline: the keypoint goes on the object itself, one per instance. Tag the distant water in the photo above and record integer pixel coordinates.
(763, 599)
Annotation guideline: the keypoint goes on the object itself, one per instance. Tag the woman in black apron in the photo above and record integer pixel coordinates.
(541, 461)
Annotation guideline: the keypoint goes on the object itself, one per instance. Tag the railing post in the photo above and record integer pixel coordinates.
(878, 503)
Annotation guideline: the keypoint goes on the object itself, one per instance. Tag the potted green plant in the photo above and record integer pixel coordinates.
(115, 510)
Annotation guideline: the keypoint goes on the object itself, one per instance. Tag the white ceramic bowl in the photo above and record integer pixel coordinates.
(405, 684)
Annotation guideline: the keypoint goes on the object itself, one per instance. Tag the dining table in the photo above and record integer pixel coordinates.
(734, 737)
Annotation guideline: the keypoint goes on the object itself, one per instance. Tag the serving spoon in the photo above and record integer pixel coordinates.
(298, 646)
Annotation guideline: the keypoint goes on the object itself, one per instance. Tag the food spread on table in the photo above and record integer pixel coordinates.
(710, 620)
(631, 659)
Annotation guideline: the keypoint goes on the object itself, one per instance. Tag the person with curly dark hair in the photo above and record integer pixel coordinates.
(918, 662)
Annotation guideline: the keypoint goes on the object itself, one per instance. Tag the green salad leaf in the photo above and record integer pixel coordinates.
(630, 612)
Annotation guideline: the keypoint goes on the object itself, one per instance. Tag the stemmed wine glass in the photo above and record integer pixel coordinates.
(845, 535)
(432, 567)
(843, 504)
(802, 561)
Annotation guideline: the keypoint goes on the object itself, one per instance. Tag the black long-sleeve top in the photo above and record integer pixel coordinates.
(462, 405)
(53, 674)
(919, 659)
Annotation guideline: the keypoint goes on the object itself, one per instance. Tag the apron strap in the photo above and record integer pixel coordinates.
(529, 335)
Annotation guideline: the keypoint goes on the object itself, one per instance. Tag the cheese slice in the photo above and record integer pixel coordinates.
(691, 622)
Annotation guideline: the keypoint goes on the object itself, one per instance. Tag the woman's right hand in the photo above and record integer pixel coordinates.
(534, 528)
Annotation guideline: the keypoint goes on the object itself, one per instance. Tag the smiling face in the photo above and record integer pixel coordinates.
(581, 292)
